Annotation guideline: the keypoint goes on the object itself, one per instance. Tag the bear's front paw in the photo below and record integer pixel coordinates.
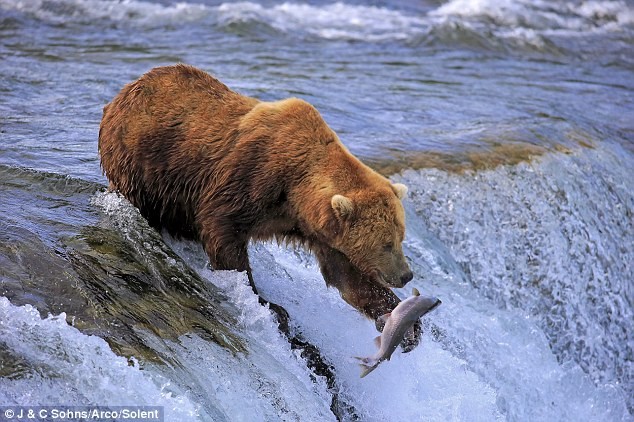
(412, 337)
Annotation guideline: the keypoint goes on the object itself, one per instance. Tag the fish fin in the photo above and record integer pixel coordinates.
(415, 292)
(377, 342)
(366, 370)
(383, 318)
(367, 365)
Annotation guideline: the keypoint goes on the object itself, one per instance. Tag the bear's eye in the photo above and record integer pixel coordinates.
(388, 247)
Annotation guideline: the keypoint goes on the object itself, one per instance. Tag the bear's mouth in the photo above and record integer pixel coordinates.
(378, 278)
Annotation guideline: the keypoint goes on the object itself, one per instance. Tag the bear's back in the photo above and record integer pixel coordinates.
(154, 133)
(181, 79)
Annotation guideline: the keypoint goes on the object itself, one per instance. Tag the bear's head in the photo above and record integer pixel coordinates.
(370, 227)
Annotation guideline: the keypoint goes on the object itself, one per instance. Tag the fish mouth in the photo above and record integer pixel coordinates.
(435, 305)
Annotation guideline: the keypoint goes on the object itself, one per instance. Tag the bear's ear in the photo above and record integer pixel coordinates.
(400, 190)
(342, 206)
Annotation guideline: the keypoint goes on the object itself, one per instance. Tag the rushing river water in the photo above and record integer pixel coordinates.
(512, 123)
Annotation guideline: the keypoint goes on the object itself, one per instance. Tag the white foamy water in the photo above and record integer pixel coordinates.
(491, 351)
(542, 15)
(552, 241)
(67, 367)
(429, 383)
(331, 21)
(509, 18)
(143, 13)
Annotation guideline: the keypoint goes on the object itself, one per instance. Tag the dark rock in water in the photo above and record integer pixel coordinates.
(13, 366)
(138, 289)
(111, 281)
(340, 407)
(343, 410)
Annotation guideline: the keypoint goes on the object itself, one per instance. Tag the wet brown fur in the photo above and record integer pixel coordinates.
(209, 164)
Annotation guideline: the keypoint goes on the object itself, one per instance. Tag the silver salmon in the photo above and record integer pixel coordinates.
(397, 323)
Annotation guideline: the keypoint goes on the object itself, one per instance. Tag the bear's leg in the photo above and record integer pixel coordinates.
(232, 256)
(227, 251)
(225, 247)
(369, 298)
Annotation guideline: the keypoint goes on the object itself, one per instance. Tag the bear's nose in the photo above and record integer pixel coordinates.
(407, 277)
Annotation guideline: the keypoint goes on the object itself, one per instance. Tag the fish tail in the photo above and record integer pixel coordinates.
(367, 365)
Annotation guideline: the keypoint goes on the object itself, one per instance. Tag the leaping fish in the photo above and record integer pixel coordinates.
(397, 323)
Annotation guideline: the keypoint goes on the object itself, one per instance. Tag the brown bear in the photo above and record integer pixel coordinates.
(207, 163)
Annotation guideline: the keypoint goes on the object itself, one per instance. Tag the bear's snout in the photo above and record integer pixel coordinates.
(398, 280)
(407, 277)
(403, 279)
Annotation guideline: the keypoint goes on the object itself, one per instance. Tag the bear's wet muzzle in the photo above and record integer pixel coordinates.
(397, 282)
(407, 277)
